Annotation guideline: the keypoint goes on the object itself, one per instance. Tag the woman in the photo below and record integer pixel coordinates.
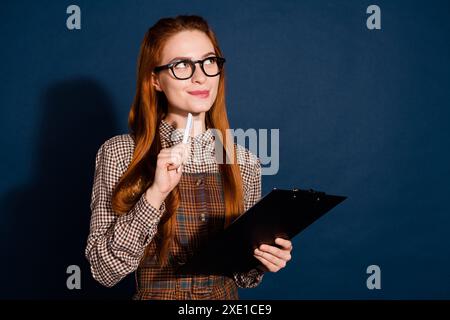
(154, 199)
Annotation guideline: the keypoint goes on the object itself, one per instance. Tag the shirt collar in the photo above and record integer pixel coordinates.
(171, 136)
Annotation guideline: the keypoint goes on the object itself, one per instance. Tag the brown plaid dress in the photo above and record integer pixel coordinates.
(116, 244)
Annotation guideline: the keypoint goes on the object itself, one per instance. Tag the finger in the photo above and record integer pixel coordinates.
(184, 150)
(173, 167)
(284, 243)
(187, 153)
(279, 253)
(269, 265)
(182, 147)
(171, 151)
(174, 164)
(163, 161)
(165, 150)
(174, 159)
(272, 258)
(177, 149)
(163, 158)
(169, 162)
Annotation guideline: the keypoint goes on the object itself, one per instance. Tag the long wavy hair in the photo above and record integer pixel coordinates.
(147, 110)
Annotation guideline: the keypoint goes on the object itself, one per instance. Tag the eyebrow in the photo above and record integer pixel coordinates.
(182, 58)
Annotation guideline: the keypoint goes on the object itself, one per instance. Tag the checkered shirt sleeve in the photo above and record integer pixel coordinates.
(251, 177)
(116, 243)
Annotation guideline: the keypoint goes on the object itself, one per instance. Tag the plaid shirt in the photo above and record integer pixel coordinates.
(115, 245)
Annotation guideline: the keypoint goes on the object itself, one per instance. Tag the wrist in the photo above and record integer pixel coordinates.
(155, 197)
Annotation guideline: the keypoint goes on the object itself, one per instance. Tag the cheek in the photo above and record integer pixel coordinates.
(214, 89)
(173, 90)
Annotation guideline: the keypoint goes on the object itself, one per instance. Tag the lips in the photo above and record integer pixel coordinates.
(200, 93)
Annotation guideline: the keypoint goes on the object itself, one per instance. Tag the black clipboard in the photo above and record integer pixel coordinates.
(281, 213)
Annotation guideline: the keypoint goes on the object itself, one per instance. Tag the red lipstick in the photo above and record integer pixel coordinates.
(200, 93)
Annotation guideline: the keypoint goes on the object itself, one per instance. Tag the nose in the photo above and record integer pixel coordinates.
(198, 75)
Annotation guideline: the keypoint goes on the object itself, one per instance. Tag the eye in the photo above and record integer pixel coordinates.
(181, 65)
(210, 60)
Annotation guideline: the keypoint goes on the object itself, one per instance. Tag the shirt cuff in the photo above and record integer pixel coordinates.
(248, 279)
(146, 213)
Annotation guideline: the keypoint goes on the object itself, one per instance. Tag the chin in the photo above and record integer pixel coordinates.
(199, 108)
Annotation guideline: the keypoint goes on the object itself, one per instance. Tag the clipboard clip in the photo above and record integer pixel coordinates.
(316, 194)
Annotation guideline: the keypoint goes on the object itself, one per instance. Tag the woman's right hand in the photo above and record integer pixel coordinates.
(166, 175)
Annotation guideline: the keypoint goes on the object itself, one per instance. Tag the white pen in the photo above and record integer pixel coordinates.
(187, 131)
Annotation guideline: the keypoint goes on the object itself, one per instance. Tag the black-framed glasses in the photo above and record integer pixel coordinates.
(184, 69)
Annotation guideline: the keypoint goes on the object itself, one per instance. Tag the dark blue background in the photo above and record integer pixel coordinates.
(361, 113)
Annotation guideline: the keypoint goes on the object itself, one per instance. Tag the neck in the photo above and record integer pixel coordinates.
(179, 120)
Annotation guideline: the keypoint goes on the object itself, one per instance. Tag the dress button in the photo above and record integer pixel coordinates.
(203, 217)
(198, 182)
(179, 261)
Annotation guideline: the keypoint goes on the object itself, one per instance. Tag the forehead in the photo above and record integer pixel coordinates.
(192, 44)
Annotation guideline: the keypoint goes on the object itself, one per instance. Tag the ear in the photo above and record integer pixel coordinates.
(155, 82)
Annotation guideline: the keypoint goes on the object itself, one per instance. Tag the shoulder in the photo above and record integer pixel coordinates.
(120, 143)
(249, 163)
(245, 157)
(118, 148)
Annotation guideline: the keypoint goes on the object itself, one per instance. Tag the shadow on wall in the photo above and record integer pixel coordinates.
(48, 218)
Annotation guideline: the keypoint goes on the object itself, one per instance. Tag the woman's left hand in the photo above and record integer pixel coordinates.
(273, 258)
